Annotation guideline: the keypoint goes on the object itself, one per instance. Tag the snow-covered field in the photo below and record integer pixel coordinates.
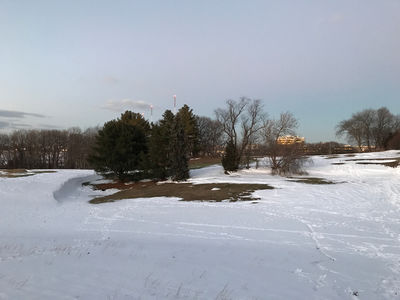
(300, 241)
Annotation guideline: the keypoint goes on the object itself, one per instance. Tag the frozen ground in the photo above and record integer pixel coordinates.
(300, 241)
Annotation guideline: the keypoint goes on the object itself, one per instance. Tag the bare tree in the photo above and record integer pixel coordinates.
(241, 121)
(210, 136)
(284, 159)
(369, 127)
(46, 148)
(4, 150)
(352, 129)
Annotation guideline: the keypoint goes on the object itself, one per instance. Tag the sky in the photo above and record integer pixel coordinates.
(82, 63)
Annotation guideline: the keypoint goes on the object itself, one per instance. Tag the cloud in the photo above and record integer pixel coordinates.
(125, 104)
(18, 114)
(111, 80)
(4, 125)
(48, 126)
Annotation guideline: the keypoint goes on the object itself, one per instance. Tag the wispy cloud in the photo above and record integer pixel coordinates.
(48, 126)
(4, 124)
(124, 104)
(111, 80)
(18, 114)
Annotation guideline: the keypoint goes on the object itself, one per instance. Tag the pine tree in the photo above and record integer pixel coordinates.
(160, 147)
(119, 148)
(158, 162)
(230, 159)
(179, 168)
(191, 128)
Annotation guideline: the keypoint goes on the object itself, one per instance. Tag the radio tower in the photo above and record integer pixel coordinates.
(151, 113)
(174, 104)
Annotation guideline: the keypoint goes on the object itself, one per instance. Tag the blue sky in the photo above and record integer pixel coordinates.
(80, 63)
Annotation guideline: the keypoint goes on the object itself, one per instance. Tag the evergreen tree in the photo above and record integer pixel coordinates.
(179, 168)
(160, 146)
(119, 148)
(158, 162)
(191, 128)
(230, 159)
(135, 119)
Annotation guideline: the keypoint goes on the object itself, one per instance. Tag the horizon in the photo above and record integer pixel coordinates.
(76, 64)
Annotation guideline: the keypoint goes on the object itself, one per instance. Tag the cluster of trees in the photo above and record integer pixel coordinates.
(46, 149)
(131, 147)
(375, 129)
(245, 126)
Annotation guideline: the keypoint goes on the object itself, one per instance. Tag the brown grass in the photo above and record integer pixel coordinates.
(364, 161)
(16, 173)
(185, 191)
(332, 157)
(44, 172)
(311, 180)
(202, 162)
(393, 164)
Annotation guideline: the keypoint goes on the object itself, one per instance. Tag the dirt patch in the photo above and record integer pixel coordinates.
(378, 159)
(393, 164)
(114, 185)
(44, 172)
(197, 163)
(16, 173)
(375, 161)
(214, 192)
(311, 180)
(338, 163)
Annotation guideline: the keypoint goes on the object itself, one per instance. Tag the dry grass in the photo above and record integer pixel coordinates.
(332, 157)
(16, 173)
(185, 191)
(311, 180)
(370, 161)
(202, 162)
(44, 172)
(393, 164)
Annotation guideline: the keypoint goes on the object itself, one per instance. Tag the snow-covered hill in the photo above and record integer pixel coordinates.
(300, 241)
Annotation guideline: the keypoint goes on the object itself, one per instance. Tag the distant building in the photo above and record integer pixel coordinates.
(290, 140)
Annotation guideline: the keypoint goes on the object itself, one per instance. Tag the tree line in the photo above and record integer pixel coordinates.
(47, 149)
(131, 147)
(376, 129)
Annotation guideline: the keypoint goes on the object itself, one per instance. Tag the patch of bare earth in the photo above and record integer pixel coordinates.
(376, 161)
(311, 180)
(15, 173)
(197, 163)
(214, 192)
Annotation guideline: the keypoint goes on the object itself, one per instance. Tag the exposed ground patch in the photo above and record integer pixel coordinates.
(338, 163)
(214, 192)
(16, 173)
(394, 163)
(332, 156)
(202, 162)
(311, 180)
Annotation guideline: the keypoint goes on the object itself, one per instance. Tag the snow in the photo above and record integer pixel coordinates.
(299, 241)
